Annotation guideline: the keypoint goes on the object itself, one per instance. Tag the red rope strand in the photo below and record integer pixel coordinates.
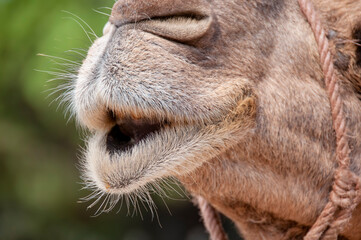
(211, 220)
(346, 190)
(343, 197)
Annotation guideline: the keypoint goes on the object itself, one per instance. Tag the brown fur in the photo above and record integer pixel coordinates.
(263, 151)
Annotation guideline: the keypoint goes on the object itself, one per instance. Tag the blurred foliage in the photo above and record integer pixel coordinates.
(39, 180)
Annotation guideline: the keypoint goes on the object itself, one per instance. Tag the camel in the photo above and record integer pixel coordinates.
(228, 97)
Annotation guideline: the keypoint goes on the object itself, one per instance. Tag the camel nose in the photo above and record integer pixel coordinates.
(133, 11)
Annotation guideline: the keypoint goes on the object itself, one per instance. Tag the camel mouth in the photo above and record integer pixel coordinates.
(129, 132)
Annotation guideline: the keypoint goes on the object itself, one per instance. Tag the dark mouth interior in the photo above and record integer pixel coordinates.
(125, 135)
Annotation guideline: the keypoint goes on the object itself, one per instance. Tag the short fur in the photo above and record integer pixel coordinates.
(251, 128)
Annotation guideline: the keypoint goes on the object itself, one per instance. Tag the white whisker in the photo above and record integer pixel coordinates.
(59, 58)
(86, 32)
(96, 201)
(100, 12)
(91, 29)
(108, 8)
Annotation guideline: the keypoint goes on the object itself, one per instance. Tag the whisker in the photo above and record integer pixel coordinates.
(91, 196)
(96, 201)
(80, 49)
(82, 21)
(127, 203)
(55, 57)
(74, 51)
(98, 212)
(108, 8)
(53, 80)
(151, 204)
(87, 33)
(100, 12)
(59, 88)
(139, 209)
(115, 201)
(121, 203)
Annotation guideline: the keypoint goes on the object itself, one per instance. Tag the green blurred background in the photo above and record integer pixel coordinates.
(39, 179)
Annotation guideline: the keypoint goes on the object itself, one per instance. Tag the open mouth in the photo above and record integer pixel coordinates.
(129, 132)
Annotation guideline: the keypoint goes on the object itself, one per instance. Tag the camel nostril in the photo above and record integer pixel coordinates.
(125, 11)
(184, 28)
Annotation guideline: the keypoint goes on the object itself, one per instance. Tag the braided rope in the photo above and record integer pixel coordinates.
(346, 189)
(211, 220)
(343, 197)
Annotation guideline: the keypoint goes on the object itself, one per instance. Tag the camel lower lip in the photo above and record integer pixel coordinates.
(124, 136)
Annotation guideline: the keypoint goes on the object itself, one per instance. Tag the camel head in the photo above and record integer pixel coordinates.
(227, 97)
